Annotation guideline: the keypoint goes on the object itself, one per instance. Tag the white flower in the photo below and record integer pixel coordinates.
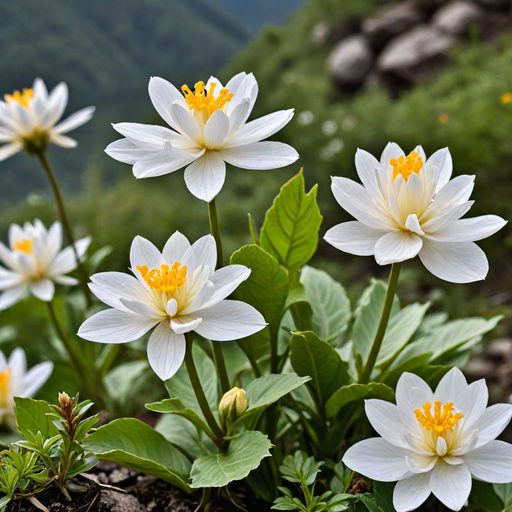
(434, 442)
(35, 262)
(178, 291)
(15, 380)
(408, 206)
(209, 129)
(28, 119)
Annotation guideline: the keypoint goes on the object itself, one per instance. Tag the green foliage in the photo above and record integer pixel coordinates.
(245, 453)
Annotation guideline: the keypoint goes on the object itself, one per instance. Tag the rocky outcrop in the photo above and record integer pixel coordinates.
(406, 41)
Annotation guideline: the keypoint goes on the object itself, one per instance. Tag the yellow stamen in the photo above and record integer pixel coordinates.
(203, 101)
(5, 387)
(406, 165)
(506, 98)
(22, 97)
(25, 246)
(164, 279)
(443, 419)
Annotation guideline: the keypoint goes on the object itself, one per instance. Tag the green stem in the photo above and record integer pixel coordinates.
(41, 155)
(218, 355)
(383, 323)
(76, 359)
(198, 390)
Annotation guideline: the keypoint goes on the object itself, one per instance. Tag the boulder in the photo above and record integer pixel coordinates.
(420, 45)
(351, 60)
(457, 16)
(391, 21)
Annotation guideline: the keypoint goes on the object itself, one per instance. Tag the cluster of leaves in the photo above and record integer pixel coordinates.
(51, 450)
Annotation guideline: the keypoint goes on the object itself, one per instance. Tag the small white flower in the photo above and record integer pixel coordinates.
(176, 290)
(434, 442)
(28, 119)
(15, 380)
(209, 129)
(35, 262)
(409, 206)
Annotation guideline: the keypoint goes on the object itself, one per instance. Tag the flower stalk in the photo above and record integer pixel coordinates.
(84, 276)
(383, 323)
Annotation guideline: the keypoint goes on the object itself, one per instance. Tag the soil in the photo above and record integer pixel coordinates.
(110, 488)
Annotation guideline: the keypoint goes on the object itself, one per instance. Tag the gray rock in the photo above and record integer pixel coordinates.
(417, 46)
(113, 501)
(319, 33)
(350, 60)
(456, 17)
(392, 21)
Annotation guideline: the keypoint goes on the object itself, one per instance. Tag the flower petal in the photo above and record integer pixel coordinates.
(230, 320)
(163, 94)
(383, 417)
(470, 230)
(260, 155)
(492, 423)
(205, 176)
(392, 150)
(461, 262)
(184, 122)
(8, 150)
(442, 159)
(175, 248)
(411, 493)
(163, 162)
(166, 351)
(182, 324)
(75, 120)
(11, 296)
(205, 251)
(354, 237)
(123, 150)
(35, 378)
(377, 459)
(491, 463)
(111, 287)
(397, 246)
(216, 129)
(114, 326)
(261, 128)
(450, 484)
(43, 289)
(143, 252)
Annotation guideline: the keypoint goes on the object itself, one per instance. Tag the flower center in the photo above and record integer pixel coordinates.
(25, 246)
(22, 97)
(441, 421)
(164, 279)
(406, 165)
(5, 387)
(204, 101)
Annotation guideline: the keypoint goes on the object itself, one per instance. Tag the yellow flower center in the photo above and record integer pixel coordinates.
(204, 101)
(22, 97)
(441, 421)
(506, 98)
(164, 279)
(406, 165)
(5, 387)
(25, 246)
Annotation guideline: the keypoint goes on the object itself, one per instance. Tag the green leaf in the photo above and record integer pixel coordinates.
(32, 417)
(266, 390)
(316, 358)
(400, 330)
(299, 468)
(245, 453)
(132, 443)
(267, 286)
(175, 406)
(484, 496)
(291, 225)
(367, 319)
(329, 303)
(504, 492)
(353, 392)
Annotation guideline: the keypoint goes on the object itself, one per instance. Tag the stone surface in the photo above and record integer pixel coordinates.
(392, 21)
(417, 46)
(350, 60)
(456, 17)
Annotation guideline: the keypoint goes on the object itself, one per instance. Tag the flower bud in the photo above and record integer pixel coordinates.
(232, 405)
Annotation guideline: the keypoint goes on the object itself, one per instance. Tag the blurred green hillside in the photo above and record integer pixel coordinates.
(460, 106)
(106, 51)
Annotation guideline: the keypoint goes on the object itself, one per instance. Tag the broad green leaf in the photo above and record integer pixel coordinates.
(316, 358)
(329, 303)
(266, 390)
(267, 286)
(132, 443)
(291, 225)
(504, 492)
(175, 406)
(368, 317)
(484, 496)
(353, 392)
(180, 387)
(245, 453)
(400, 330)
(32, 416)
